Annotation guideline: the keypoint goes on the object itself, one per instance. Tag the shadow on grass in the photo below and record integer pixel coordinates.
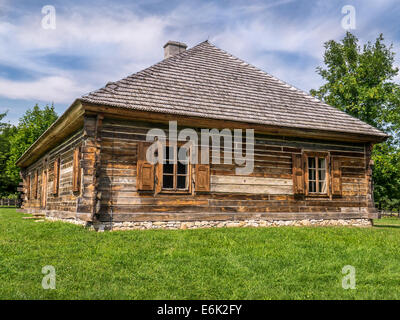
(387, 226)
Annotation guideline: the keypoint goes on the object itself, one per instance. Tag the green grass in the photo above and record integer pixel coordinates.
(388, 221)
(244, 263)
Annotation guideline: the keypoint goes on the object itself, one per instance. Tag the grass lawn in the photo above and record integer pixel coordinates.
(246, 263)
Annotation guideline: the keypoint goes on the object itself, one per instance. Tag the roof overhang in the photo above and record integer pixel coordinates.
(191, 121)
(69, 122)
(73, 119)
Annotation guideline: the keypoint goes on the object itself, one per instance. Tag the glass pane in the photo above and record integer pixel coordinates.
(168, 168)
(168, 182)
(166, 153)
(321, 163)
(182, 168)
(311, 162)
(168, 160)
(169, 154)
(183, 157)
(181, 182)
(311, 174)
(322, 187)
(183, 154)
(321, 175)
(312, 186)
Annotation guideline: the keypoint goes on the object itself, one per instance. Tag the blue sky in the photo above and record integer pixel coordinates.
(99, 41)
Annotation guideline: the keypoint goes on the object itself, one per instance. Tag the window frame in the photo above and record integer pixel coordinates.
(160, 173)
(316, 155)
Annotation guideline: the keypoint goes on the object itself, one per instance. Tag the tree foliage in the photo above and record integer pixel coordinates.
(30, 127)
(6, 131)
(387, 175)
(359, 81)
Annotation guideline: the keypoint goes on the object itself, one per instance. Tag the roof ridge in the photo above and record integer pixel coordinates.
(195, 81)
(290, 86)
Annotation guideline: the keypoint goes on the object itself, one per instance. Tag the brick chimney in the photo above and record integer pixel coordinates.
(171, 48)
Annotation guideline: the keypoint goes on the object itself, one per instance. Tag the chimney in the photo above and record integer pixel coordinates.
(171, 48)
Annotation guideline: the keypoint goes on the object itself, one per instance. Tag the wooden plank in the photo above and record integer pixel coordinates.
(76, 170)
(238, 188)
(245, 180)
(212, 216)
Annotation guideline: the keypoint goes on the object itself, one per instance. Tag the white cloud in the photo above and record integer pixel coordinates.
(57, 89)
(114, 45)
(262, 44)
(117, 42)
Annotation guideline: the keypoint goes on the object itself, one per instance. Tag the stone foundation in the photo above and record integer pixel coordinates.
(174, 225)
(72, 220)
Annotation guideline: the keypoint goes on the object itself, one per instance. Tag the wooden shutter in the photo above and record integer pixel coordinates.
(76, 171)
(56, 176)
(145, 170)
(202, 176)
(44, 189)
(159, 177)
(298, 174)
(28, 187)
(35, 185)
(336, 176)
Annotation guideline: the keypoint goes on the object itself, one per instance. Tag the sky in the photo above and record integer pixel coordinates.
(45, 60)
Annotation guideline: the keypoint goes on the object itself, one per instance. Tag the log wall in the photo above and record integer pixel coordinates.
(64, 203)
(266, 193)
(108, 190)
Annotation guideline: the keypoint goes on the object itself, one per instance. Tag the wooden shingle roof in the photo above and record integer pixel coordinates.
(208, 82)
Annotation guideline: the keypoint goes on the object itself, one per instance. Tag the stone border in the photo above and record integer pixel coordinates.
(175, 225)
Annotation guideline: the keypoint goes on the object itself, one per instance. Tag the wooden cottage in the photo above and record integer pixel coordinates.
(312, 162)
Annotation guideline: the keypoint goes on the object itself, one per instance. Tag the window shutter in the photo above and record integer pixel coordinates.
(28, 187)
(145, 170)
(336, 176)
(56, 175)
(44, 189)
(202, 183)
(298, 174)
(159, 177)
(35, 184)
(76, 171)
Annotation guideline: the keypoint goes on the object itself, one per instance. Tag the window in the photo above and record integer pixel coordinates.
(175, 173)
(316, 174)
(317, 182)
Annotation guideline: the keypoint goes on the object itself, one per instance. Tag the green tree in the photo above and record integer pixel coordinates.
(387, 175)
(359, 81)
(30, 127)
(6, 131)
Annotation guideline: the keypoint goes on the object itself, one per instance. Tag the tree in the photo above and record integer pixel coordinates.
(6, 131)
(387, 176)
(30, 127)
(360, 82)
